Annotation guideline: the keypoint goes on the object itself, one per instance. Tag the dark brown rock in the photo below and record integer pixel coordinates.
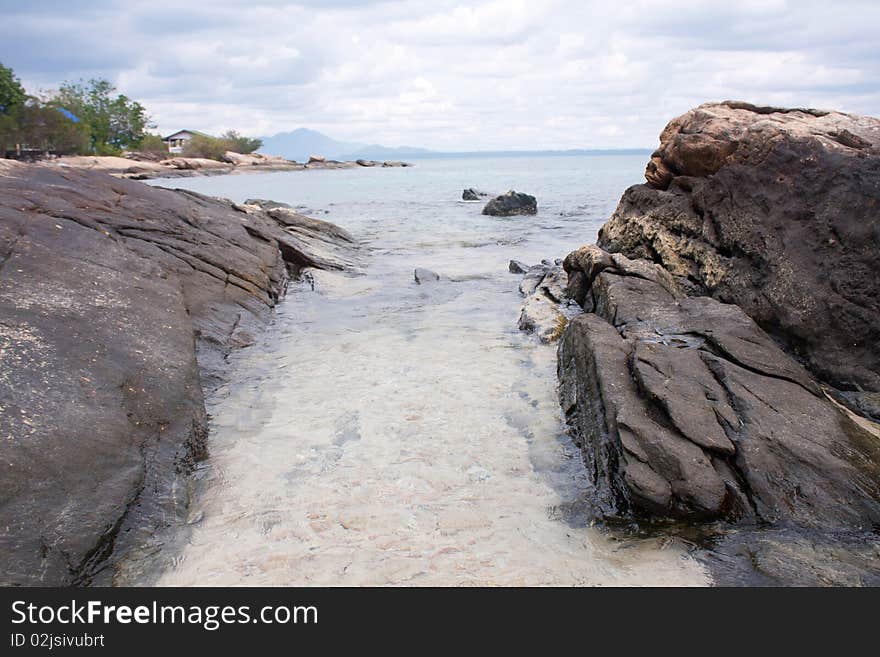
(777, 211)
(118, 304)
(685, 408)
(511, 204)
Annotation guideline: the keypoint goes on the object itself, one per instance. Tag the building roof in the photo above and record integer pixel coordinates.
(180, 133)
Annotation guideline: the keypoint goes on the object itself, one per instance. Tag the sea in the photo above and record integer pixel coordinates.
(382, 432)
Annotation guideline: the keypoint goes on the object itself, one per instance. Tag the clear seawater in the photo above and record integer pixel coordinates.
(382, 432)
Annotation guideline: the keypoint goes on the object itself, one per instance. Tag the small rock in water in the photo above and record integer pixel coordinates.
(517, 267)
(510, 204)
(471, 194)
(423, 276)
(266, 204)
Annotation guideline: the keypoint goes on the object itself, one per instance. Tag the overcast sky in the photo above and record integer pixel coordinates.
(451, 75)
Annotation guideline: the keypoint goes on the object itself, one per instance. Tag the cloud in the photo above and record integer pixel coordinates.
(451, 74)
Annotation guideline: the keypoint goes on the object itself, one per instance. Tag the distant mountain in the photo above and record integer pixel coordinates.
(377, 152)
(301, 143)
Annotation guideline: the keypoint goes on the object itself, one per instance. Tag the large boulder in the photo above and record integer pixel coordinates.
(731, 311)
(511, 204)
(685, 408)
(119, 303)
(777, 211)
(196, 164)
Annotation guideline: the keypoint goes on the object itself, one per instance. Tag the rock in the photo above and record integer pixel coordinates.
(685, 408)
(471, 194)
(544, 310)
(541, 316)
(517, 267)
(774, 210)
(119, 304)
(423, 276)
(254, 159)
(195, 164)
(367, 163)
(313, 159)
(268, 204)
(511, 204)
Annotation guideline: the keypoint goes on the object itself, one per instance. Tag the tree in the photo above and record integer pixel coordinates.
(36, 126)
(115, 121)
(153, 145)
(45, 128)
(12, 94)
(205, 146)
(215, 147)
(238, 143)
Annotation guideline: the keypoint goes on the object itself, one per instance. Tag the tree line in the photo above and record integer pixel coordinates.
(89, 117)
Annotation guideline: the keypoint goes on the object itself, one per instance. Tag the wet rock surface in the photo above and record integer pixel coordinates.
(696, 383)
(511, 204)
(547, 306)
(118, 305)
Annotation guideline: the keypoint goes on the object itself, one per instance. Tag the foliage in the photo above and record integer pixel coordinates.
(115, 122)
(35, 125)
(12, 94)
(205, 146)
(215, 148)
(240, 144)
(153, 145)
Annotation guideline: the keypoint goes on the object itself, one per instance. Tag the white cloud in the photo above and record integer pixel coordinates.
(451, 74)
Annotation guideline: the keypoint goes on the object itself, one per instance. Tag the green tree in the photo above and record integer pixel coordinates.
(215, 147)
(205, 146)
(36, 126)
(45, 128)
(153, 145)
(115, 121)
(12, 94)
(238, 143)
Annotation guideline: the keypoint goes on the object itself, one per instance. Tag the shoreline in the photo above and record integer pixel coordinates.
(187, 167)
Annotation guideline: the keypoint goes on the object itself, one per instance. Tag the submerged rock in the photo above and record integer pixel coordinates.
(511, 204)
(423, 276)
(120, 303)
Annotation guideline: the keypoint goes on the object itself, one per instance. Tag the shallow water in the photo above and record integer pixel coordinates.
(383, 432)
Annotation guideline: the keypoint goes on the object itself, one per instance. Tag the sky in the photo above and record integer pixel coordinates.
(451, 75)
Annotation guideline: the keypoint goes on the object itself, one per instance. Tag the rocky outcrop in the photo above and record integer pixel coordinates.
(685, 408)
(777, 211)
(118, 305)
(137, 166)
(722, 300)
(511, 204)
(254, 159)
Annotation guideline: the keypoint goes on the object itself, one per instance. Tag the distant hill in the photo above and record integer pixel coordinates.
(299, 144)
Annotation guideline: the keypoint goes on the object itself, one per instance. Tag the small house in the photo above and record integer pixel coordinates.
(177, 140)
